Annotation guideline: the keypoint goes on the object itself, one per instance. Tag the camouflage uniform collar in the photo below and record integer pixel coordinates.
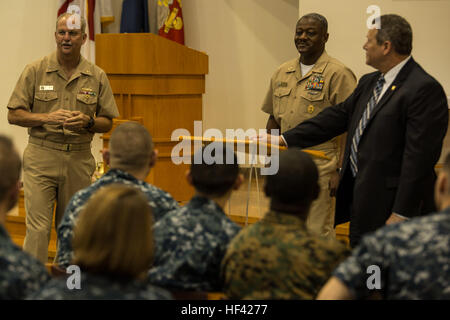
(198, 200)
(122, 174)
(103, 280)
(276, 217)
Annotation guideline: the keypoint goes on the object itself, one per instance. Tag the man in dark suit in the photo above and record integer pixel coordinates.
(396, 120)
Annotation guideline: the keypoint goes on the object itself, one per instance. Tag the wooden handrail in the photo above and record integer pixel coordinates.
(314, 153)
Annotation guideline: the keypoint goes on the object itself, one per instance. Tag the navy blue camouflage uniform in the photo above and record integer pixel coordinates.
(190, 244)
(101, 287)
(20, 274)
(413, 257)
(160, 201)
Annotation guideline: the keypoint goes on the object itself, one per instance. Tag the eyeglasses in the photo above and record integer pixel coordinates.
(72, 33)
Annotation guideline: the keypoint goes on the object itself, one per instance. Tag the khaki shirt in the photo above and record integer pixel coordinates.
(292, 99)
(44, 88)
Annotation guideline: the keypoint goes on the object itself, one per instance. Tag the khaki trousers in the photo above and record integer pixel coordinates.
(51, 175)
(321, 215)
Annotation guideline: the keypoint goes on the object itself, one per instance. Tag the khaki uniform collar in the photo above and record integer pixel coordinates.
(275, 217)
(84, 67)
(319, 66)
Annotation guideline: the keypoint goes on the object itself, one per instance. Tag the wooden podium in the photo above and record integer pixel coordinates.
(161, 83)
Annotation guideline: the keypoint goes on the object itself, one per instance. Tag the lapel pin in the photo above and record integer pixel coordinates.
(393, 88)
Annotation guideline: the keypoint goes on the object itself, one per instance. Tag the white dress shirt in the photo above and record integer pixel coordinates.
(390, 76)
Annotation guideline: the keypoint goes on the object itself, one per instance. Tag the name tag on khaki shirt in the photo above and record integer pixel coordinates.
(45, 88)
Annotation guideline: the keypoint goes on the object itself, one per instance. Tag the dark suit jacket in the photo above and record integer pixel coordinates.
(397, 152)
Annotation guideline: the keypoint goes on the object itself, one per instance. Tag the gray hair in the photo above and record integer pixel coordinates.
(69, 14)
(131, 146)
(396, 30)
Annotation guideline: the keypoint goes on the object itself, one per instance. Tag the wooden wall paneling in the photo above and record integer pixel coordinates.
(145, 53)
(120, 104)
(164, 114)
(157, 84)
(173, 177)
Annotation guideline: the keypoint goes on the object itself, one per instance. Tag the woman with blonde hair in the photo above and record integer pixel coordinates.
(113, 248)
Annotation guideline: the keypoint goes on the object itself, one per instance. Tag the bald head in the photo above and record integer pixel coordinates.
(131, 147)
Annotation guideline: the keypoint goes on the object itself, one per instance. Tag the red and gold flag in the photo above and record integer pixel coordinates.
(170, 20)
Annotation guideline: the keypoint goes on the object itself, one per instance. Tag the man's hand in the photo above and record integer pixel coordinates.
(77, 121)
(267, 138)
(333, 184)
(394, 218)
(58, 117)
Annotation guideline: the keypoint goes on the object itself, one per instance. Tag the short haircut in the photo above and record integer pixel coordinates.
(319, 18)
(296, 181)
(69, 14)
(10, 166)
(130, 147)
(214, 179)
(114, 234)
(398, 31)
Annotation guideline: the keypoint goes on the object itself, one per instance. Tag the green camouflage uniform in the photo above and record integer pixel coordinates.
(277, 258)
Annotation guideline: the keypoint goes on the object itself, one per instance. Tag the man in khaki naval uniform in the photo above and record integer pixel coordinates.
(63, 99)
(299, 90)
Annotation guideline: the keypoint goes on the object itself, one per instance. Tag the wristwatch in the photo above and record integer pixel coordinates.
(90, 123)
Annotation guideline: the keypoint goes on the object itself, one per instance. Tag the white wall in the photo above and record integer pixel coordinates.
(347, 27)
(28, 27)
(245, 40)
(28, 34)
